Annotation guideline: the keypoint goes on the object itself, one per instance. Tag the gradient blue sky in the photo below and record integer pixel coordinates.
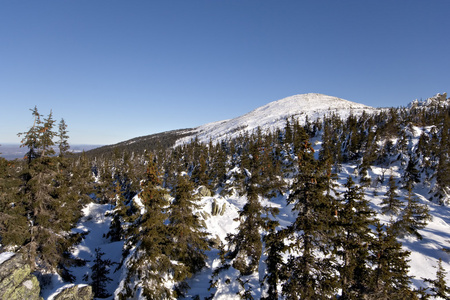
(115, 70)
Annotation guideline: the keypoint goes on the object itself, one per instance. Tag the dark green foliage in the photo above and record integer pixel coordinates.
(415, 216)
(99, 274)
(31, 138)
(40, 201)
(353, 218)
(274, 248)
(63, 144)
(390, 278)
(438, 286)
(311, 275)
(246, 244)
(116, 232)
(13, 220)
(150, 261)
(412, 174)
(184, 227)
(391, 204)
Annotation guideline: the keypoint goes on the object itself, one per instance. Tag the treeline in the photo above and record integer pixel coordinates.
(335, 247)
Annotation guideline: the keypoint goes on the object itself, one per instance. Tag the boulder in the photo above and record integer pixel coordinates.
(216, 209)
(203, 191)
(76, 292)
(16, 280)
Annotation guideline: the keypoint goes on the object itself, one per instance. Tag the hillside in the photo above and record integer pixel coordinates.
(269, 117)
(151, 142)
(273, 116)
(310, 195)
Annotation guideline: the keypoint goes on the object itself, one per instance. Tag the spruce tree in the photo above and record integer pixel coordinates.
(354, 218)
(99, 274)
(149, 265)
(411, 176)
(51, 204)
(63, 136)
(390, 279)
(274, 247)
(310, 275)
(391, 204)
(188, 238)
(439, 288)
(246, 244)
(415, 216)
(31, 138)
(116, 232)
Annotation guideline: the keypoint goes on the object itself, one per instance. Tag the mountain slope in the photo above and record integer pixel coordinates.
(274, 115)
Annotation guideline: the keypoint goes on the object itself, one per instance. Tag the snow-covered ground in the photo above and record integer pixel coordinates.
(423, 259)
(424, 253)
(96, 224)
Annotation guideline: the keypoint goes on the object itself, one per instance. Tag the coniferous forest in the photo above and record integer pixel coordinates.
(324, 208)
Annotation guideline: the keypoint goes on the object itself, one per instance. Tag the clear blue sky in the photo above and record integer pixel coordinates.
(115, 70)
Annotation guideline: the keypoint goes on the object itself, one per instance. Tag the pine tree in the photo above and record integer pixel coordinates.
(391, 204)
(247, 244)
(310, 275)
(46, 136)
(116, 232)
(150, 265)
(274, 246)
(184, 227)
(414, 217)
(99, 275)
(63, 136)
(354, 218)
(50, 203)
(390, 278)
(439, 287)
(31, 138)
(411, 175)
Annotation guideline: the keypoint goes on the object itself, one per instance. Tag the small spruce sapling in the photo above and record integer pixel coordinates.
(99, 274)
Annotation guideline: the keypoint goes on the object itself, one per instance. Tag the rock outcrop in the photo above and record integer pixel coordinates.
(76, 292)
(203, 191)
(16, 280)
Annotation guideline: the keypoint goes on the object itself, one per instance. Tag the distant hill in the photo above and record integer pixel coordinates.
(139, 144)
(14, 151)
(268, 117)
(273, 115)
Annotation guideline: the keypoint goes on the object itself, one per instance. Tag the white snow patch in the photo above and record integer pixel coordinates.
(5, 256)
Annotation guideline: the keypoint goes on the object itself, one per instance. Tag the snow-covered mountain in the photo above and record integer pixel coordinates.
(424, 253)
(274, 115)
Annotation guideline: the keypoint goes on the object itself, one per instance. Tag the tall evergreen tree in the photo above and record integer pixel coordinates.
(247, 244)
(63, 137)
(354, 218)
(99, 276)
(310, 275)
(391, 204)
(274, 246)
(439, 288)
(184, 227)
(31, 138)
(414, 217)
(390, 279)
(51, 205)
(150, 266)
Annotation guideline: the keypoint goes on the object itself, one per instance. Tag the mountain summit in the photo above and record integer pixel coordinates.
(274, 115)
